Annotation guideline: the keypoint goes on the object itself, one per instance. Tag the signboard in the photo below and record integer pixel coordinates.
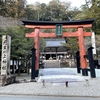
(58, 29)
(5, 60)
(93, 43)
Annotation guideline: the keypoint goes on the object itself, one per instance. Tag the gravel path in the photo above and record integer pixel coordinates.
(84, 88)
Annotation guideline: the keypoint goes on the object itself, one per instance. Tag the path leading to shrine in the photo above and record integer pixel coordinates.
(74, 89)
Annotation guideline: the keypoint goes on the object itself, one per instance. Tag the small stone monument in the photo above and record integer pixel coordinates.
(6, 78)
(5, 60)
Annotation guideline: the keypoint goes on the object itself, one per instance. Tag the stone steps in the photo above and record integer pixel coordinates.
(51, 64)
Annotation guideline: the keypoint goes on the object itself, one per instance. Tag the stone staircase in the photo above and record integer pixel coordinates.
(51, 64)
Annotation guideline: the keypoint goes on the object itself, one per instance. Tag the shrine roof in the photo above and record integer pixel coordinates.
(47, 23)
(54, 42)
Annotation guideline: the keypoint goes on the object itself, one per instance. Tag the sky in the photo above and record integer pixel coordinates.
(74, 3)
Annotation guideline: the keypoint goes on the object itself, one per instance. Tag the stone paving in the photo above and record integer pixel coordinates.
(83, 88)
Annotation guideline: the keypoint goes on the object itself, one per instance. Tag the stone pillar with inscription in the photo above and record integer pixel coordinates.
(5, 59)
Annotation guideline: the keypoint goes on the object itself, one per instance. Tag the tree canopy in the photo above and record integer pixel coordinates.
(12, 8)
(91, 10)
(55, 10)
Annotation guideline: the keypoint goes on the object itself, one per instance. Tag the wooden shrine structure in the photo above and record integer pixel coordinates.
(59, 25)
(54, 49)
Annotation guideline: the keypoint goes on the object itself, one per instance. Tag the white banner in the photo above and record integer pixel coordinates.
(5, 60)
(93, 42)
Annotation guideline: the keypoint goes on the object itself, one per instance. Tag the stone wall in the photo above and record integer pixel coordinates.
(8, 22)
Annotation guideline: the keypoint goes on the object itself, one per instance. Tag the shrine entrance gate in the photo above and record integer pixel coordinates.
(80, 34)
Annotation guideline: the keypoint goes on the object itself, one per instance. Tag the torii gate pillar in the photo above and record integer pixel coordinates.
(36, 46)
(82, 51)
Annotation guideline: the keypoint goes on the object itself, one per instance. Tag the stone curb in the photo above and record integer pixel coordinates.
(50, 95)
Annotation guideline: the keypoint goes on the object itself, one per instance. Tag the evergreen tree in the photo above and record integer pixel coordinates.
(12, 8)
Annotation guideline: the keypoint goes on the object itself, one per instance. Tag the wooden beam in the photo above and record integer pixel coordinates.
(75, 34)
(70, 34)
(87, 33)
(53, 35)
(44, 35)
(54, 27)
(31, 35)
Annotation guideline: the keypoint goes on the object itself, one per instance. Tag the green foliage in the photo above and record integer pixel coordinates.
(72, 45)
(42, 44)
(98, 45)
(30, 12)
(12, 8)
(20, 46)
(91, 11)
(54, 11)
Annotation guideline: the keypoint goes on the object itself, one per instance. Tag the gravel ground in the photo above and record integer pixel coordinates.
(83, 88)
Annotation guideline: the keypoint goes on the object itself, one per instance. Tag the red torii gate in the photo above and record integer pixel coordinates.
(79, 24)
